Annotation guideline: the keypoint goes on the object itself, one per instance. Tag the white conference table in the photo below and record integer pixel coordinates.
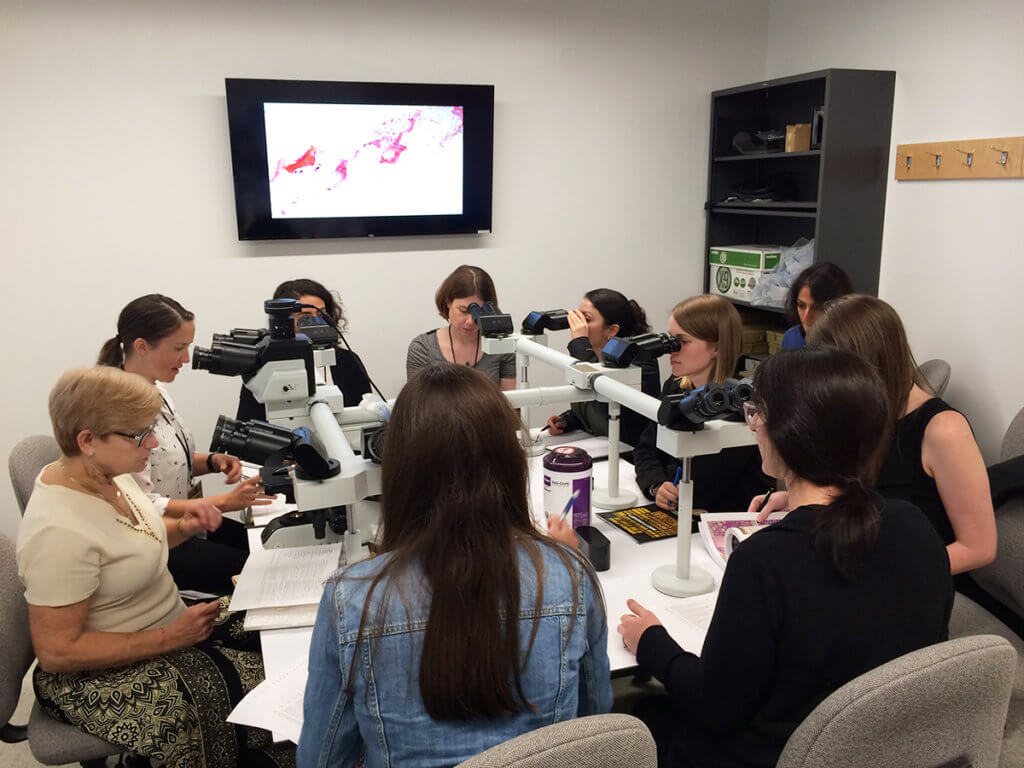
(628, 577)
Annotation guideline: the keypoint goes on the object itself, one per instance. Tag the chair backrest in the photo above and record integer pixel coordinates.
(27, 459)
(937, 372)
(1013, 440)
(927, 708)
(16, 652)
(599, 741)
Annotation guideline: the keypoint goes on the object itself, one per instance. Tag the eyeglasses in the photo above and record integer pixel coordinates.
(139, 438)
(752, 414)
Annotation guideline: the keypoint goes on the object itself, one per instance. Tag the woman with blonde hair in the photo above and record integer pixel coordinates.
(710, 335)
(931, 458)
(120, 656)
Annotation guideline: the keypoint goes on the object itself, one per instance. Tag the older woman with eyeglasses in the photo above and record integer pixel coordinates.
(120, 656)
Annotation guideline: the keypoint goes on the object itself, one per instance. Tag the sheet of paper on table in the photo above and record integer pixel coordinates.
(275, 704)
(283, 649)
(273, 578)
(697, 610)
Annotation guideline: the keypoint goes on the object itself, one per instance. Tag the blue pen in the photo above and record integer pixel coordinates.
(569, 503)
(679, 475)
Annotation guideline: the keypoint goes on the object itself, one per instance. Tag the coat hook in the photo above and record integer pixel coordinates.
(938, 159)
(1004, 156)
(970, 156)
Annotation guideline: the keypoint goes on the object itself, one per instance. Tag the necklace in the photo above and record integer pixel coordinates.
(82, 485)
(134, 510)
(145, 529)
(476, 352)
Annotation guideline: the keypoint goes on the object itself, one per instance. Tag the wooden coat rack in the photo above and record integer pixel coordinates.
(965, 159)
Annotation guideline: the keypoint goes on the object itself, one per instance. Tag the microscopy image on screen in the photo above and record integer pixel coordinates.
(338, 160)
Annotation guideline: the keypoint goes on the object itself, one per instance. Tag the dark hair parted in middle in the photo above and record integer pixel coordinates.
(826, 414)
(464, 282)
(296, 289)
(616, 309)
(825, 281)
(454, 503)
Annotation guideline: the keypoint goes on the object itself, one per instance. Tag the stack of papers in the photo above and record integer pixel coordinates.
(276, 578)
(282, 588)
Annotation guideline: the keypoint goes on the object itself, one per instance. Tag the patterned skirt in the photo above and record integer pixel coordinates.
(174, 707)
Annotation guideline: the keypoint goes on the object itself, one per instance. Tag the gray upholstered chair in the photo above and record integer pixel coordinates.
(937, 373)
(51, 741)
(1003, 579)
(930, 708)
(600, 741)
(27, 458)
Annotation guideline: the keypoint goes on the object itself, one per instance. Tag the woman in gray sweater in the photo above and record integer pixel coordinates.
(459, 341)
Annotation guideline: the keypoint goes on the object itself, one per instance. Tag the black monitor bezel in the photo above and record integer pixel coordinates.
(245, 99)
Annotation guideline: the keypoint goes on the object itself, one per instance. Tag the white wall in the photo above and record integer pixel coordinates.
(116, 177)
(953, 251)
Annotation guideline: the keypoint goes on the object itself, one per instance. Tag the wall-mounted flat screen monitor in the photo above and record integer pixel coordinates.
(345, 159)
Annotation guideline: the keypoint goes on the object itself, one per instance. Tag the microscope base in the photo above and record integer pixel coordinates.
(665, 580)
(535, 448)
(353, 548)
(602, 498)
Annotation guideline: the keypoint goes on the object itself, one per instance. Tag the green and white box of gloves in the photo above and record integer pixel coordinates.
(737, 269)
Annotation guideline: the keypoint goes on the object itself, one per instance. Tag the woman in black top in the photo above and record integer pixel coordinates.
(845, 583)
(710, 334)
(347, 373)
(931, 459)
(604, 314)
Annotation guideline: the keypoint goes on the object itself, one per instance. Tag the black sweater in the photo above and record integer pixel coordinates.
(788, 630)
(722, 482)
(592, 416)
(348, 375)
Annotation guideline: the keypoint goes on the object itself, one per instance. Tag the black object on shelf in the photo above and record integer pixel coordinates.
(838, 189)
(817, 126)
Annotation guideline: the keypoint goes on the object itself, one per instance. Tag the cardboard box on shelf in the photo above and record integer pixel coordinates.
(798, 137)
(736, 269)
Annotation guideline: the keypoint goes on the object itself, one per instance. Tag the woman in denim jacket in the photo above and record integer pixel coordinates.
(471, 627)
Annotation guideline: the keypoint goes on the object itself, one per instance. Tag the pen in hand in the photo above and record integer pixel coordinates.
(764, 501)
(568, 505)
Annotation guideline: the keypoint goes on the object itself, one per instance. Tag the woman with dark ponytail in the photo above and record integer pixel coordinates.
(844, 583)
(154, 333)
(604, 314)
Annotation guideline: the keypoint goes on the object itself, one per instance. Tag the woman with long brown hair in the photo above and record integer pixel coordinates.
(471, 626)
(154, 333)
(930, 456)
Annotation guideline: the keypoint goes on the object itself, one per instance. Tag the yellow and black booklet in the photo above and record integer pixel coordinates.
(647, 523)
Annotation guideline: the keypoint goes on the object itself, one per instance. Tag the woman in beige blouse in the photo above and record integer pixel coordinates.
(120, 656)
